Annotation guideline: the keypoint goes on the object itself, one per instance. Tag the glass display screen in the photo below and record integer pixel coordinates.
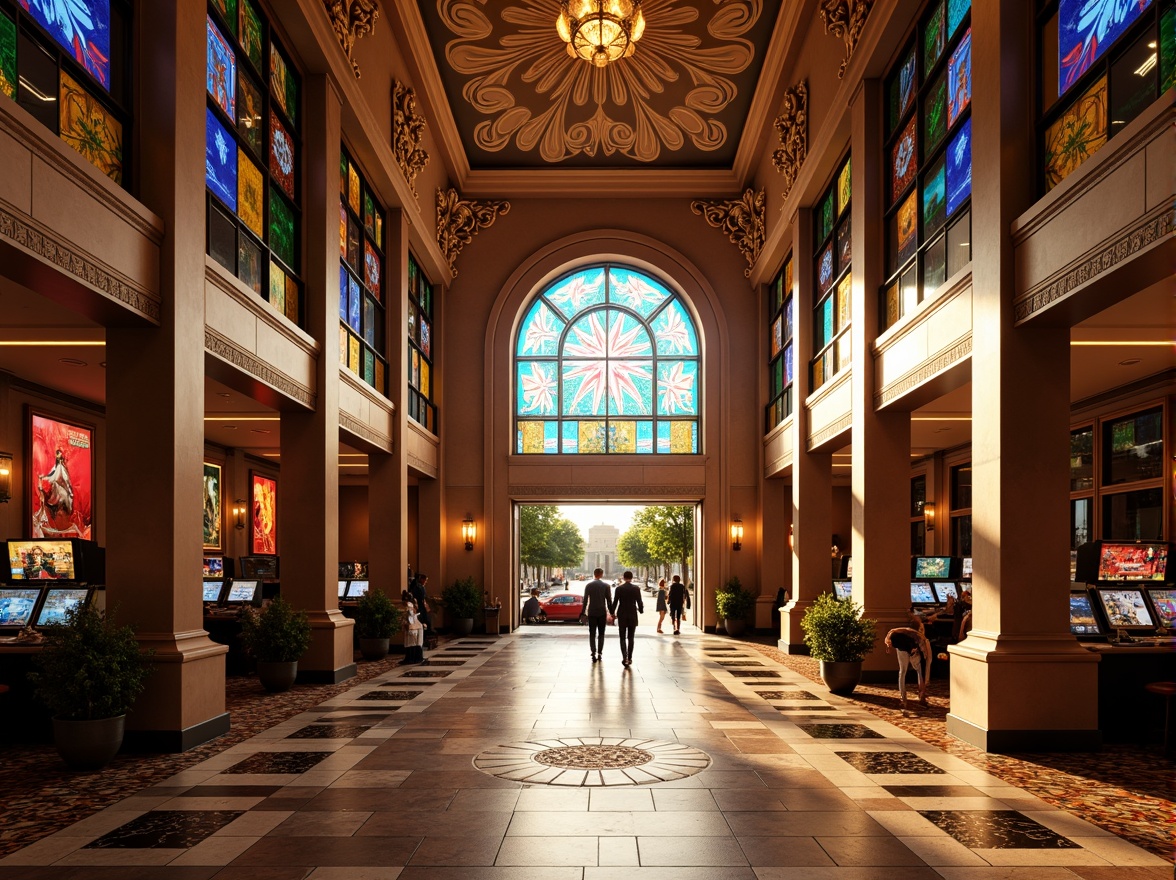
(357, 589)
(922, 594)
(967, 574)
(242, 591)
(1082, 620)
(263, 567)
(212, 590)
(1133, 562)
(1164, 601)
(342, 589)
(945, 589)
(16, 606)
(57, 604)
(849, 566)
(214, 566)
(1125, 608)
(41, 560)
(843, 589)
(932, 566)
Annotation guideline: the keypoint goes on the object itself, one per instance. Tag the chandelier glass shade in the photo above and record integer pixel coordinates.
(600, 31)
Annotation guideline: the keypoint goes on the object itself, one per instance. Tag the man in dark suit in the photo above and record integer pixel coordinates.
(597, 606)
(627, 605)
(679, 602)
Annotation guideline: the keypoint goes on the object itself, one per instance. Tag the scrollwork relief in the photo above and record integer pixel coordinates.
(408, 129)
(845, 19)
(741, 219)
(459, 220)
(792, 128)
(351, 20)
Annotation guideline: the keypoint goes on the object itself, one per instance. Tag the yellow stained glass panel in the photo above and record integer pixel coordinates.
(592, 437)
(681, 437)
(380, 376)
(292, 299)
(342, 346)
(250, 193)
(843, 189)
(624, 437)
(843, 308)
(277, 288)
(353, 354)
(787, 279)
(342, 231)
(425, 388)
(87, 127)
(532, 437)
(353, 188)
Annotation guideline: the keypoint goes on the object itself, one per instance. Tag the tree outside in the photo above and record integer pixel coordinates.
(547, 541)
(660, 537)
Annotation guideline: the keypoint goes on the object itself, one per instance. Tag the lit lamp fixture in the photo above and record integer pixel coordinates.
(5, 477)
(239, 513)
(600, 31)
(469, 531)
(736, 534)
(929, 515)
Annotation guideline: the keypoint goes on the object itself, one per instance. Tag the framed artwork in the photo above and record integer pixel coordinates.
(264, 504)
(213, 522)
(61, 477)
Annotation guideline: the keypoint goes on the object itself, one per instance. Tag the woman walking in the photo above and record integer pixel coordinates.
(662, 607)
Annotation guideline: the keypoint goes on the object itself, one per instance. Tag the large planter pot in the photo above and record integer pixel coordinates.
(276, 675)
(373, 649)
(841, 677)
(462, 626)
(734, 627)
(88, 745)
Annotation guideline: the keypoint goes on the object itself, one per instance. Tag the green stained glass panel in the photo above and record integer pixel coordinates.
(228, 11)
(7, 56)
(250, 33)
(281, 228)
(934, 198)
(935, 116)
(284, 87)
(933, 38)
(249, 111)
(827, 210)
(1167, 49)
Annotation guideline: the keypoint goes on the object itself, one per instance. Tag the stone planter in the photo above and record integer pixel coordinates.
(841, 677)
(277, 676)
(88, 745)
(461, 626)
(734, 627)
(373, 649)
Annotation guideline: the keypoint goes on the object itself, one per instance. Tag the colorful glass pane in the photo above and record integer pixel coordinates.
(638, 292)
(530, 437)
(827, 211)
(644, 438)
(354, 303)
(1086, 29)
(221, 72)
(277, 288)
(369, 320)
(353, 354)
(627, 337)
(540, 331)
(904, 160)
(342, 346)
(283, 87)
(934, 37)
(353, 245)
(844, 246)
(249, 263)
(959, 79)
(789, 317)
(379, 383)
(584, 387)
(825, 269)
(281, 155)
(907, 84)
(959, 165)
(353, 189)
(1076, 135)
(220, 160)
(677, 388)
(249, 112)
(683, 437)
(907, 228)
(344, 284)
(630, 388)
(578, 292)
(86, 126)
(281, 228)
(81, 28)
(228, 11)
(426, 338)
(250, 194)
(789, 363)
(571, 438)
(844, 189)
(956, 10)
(369, 366)
(934, 198)
(776, 338)
(379, 233)
(935, 116)
(7, 56)
(369, 214)
(342, 232)
(537, 392)
(1167, 49)
(622, 437)
(414, 368)
(592, 439)
(251, 33)
(371, 269)
(844, 309)
(826, 327)
(412, 320)
(291, 299)
(673, 329)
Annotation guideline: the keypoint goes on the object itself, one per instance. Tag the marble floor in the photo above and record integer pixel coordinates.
(519, 758)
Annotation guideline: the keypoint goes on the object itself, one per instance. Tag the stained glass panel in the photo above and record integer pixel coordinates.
(825, 270)
(584, 388)
(353, 354)
(249, 263)
(1086, 29)
(575, 293)
(789, 364)
(959, 163)
(371, 269)
(956, 10)
(281, 228)
(827, 211)
(281, 155)
(777, 336)
(638, 292)
(228, 11)
(935, 116)
(221, 72)
(627, 337)
(571, 438)
(537, 392)
(250, 194)
(844, 189)
(826, 322)
(379, 386)
(369, 366)
(7, 56)
(622, 437)
(342, 232)
(677, 388)
(342, 345)
(344, 284)
(220, 161)
(86, 126)
(277, 288)
(353, 188)
(673, 329)
(844, 245)
(934, 37)
(1077, 134)
(369, 214)
(81, 28)
(592, 438)
(683, 437)
(284, 88)
(905, 87)
(354, 303)
(249, 112)
(644, 438)
(369, 320)
(292, 299)
(907, 228)
(251, 33)
(904, 161)
(959, 78)
(426, 337)
(540, 331)
(426, 388)
(934, 198)
(844, 290)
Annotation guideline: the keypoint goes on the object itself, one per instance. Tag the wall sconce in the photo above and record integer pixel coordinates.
(239, 513)
(791, 531)
(929, 515)
(736, 534)
(5, 477)
(469, 531)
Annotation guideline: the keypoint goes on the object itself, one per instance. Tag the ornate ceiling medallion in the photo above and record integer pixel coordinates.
(459, 220)
(845, 19)
(742, 220)
(792, 127)
(351, 20)
(670, 95)
(408, 127)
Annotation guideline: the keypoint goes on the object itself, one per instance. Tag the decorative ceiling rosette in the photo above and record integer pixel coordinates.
(742, 220)
(845, 19)
(351, 20)
(792, 128)
(459, 220)
(518, 95)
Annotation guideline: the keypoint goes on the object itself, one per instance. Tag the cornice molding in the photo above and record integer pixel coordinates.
(408, 130)
(827, 433)
(352, 19)
(459, 220)
(741, 219)
(25, 233)
(428, 468)
(792, 129)
(845, 19)
(219, 276)
(581, 491)
(363, 431)
(928, 369)
(230, 352)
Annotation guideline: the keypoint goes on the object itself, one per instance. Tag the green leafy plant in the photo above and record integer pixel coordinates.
(836, 632)
(732, 602)
(276, 634)
(376, 617)
(462, 599)
(89, 667)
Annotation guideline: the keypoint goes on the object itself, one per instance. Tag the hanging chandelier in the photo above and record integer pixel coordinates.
(600, 31)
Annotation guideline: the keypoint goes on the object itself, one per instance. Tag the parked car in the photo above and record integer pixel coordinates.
(562, 605)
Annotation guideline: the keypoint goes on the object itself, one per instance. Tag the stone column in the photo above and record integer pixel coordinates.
(155, 411)
(881, 441)
(812, 473)
(308, 489)
(1019, 681)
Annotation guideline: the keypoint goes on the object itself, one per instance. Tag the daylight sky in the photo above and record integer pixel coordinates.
(587, 515)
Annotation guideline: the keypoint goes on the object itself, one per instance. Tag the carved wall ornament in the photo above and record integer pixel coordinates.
(351, 20)
(792, 127)
(742, 220)
(408, 128)
(459, 220)
(845, 19)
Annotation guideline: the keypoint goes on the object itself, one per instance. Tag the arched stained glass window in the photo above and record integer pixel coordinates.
(607, 362)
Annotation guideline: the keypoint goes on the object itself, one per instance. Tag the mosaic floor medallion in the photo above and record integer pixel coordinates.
(592, 761)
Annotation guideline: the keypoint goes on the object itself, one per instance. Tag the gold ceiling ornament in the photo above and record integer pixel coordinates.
(600, 31)
(845, 19)
(459, 220)
(534, 97)
(351, 20)
(792, 127)
(742, 220)
(408, 128)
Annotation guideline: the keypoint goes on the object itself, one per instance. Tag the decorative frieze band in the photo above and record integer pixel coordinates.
(610, 491)
(459, 220)
(351, 20)
(354, 426)
(930, 368)
(845, 19)
(84, 268)
(417, 463)
(741, 219)
(1103, 258)
(238, 357)
(827, 433)
(792, 129)
(408, 130)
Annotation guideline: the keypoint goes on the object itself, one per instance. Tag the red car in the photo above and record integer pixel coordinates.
(563, 605)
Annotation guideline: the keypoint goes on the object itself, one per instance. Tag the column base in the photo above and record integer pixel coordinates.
(1007, 741)
(792, 647)
(330, 658)
(326, 676)
(183, 703)
(791, 639)
(176, 740)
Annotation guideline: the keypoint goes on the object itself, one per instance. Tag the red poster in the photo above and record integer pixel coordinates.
(61, 472)
(265, 515)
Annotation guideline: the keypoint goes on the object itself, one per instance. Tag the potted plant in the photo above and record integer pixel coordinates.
(734, 604)
(462, 600)
(89, 673)
(840, 638)
(376, 621)
(276, 637)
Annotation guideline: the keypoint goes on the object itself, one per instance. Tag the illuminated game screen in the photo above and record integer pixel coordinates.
(967, 573)
(1133, 562)
(357, 589)
(16, 606)
(1082, 622)
(932, 566)
(212, 590)
(41, 560)
(342, 589)
(843, 589)
(945, 589)
(214, 566)
(1125, 608)
(922, 594)
(262, 567)
(1164, 601)
(242, 591)
(58, 602)
(849, 567)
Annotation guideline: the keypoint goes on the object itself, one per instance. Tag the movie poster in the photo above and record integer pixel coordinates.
(212, 506)
(61, 468)
(265, 515)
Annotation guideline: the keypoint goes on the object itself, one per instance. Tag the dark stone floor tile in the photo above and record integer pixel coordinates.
(936, 791)
(788, 695)
(425, 673)
(67, 872)
(355, 852)
(996, 829)
(888, 762)
(232, 790)
(329, 731)
(279, 762)
(839, 731)
(381, 695)
(292, 873)
(756, 673)
(165, 829)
